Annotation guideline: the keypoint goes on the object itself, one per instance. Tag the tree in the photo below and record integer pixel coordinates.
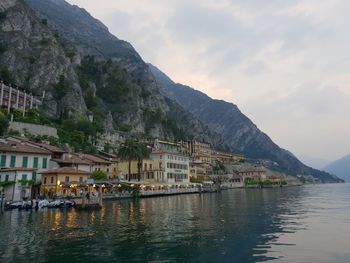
(98, 175)
(4, 123)
(129, 150)
(143, 153)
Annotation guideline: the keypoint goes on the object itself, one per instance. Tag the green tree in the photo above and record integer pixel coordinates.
(129, 150)
(143, 153)
(99, 175)
(4, 123)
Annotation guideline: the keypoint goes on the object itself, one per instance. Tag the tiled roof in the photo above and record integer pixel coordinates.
(46, 146)
(66, 170)
(14, 147)
(72, 159)
(93, 158)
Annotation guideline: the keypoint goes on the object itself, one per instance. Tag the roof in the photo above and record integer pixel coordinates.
(66, 170)
(15, 147)
(72, 159)
(167, 152)
(14, 169)
(93, 158)
(46, 146)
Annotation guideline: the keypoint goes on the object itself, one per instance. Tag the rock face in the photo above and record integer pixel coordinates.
(31, 56)
(240, 133)
(52, 46)
(340, 168)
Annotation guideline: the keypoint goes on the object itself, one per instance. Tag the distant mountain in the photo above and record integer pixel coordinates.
(317, 163)
(239, 132)
(340, 168)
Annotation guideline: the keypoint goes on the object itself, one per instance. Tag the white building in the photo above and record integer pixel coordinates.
(20, 166)
(172, 166)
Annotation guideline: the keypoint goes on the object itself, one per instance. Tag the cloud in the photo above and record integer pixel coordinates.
(285, 63)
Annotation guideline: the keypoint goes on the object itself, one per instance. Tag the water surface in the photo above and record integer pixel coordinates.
(299, 224)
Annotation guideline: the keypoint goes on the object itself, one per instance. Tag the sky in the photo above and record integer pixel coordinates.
(284, 63)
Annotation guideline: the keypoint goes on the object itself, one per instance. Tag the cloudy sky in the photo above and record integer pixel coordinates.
(284, 63)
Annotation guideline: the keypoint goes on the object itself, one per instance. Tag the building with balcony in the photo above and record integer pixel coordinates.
(16, 98)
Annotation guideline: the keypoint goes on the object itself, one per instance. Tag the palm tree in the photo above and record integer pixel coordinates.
(129, 150)
(142, 154)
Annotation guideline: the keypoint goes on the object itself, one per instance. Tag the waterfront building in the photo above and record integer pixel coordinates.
(72, 160)
(113, 159)
(16, 98)
(97, 163)
(64, 181)
(200, 170)
(250, 171)
(172, 167)
(21, 162)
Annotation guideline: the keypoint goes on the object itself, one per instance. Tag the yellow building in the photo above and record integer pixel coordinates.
(63, 181)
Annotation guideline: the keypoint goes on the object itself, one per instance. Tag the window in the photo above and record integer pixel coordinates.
(13, 161)
(51, 180)
(44, 163)
(24, 177)
(80, 179)
(45, 180)
(25, 162)
(161, 156)
(107, 170)
(7, 178)
(3, 161)
(150, 166)
(67, 179)
(34, 176)
(35, 162)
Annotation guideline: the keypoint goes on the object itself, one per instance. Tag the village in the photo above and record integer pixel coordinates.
(33, 169)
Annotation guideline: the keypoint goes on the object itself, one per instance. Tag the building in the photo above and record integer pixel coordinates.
(64, 181)
(19, 183)
(159, 145)
(199, 151)
(97, 163)
(200, 170)
(250, 171)
(16, 98)
(72, 160)
(172, 166)
(226, 157)
(162, 167)
(20, 161)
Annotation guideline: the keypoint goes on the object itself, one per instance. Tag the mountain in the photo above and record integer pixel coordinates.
(240, 133)
(340, 168)
(52, 46)
(317, 163)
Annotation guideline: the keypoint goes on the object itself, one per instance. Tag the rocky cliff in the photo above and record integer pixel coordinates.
(52, 46)
(240, 133)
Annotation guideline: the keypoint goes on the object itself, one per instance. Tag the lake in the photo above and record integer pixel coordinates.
(297, 224)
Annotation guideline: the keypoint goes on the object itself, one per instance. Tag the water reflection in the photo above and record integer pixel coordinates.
(236, 225)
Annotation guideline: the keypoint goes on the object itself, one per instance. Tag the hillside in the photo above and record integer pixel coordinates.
(52, 46)
(84, 70)
(340, 168)
(240, 133)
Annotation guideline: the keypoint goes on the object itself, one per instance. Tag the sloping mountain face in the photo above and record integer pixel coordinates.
(340, 168)
(240, 133)
(52, 46)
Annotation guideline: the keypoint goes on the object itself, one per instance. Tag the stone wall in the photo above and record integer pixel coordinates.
(33, 129)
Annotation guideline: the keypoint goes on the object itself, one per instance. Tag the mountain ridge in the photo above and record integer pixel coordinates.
(340, 168)
(240, 133)
(85, 70)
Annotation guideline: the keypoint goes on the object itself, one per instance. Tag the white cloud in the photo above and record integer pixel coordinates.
(285, 63)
